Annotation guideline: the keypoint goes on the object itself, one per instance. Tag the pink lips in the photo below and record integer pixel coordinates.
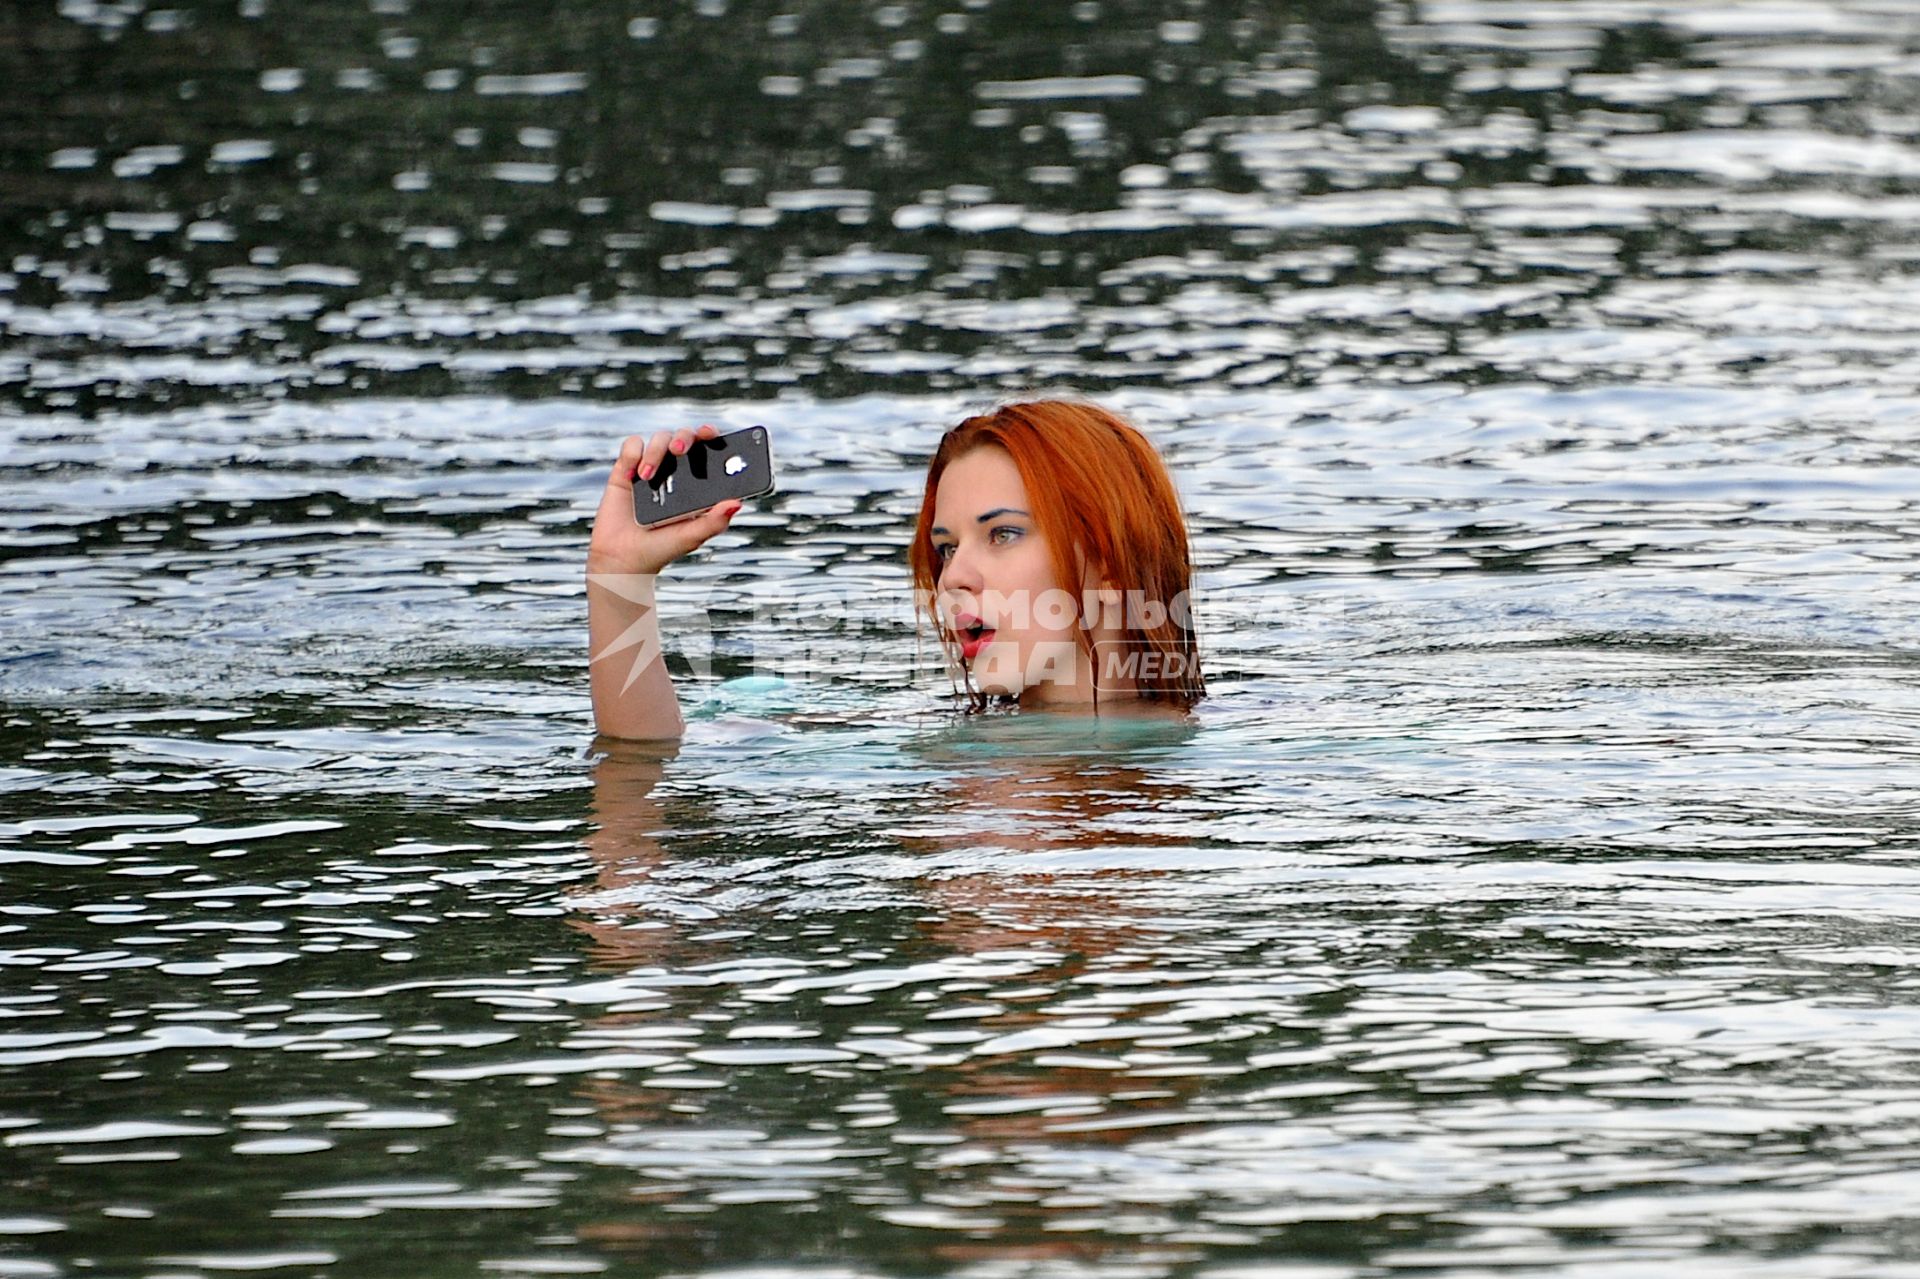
(970, 643)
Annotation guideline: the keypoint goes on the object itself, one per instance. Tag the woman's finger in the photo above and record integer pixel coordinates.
(656, 449)
(628, 462)
(664, 442)
(698, 531)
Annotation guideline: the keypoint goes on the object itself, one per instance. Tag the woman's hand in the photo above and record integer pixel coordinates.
(619, 544)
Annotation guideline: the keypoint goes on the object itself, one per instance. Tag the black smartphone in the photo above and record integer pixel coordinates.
(710, 472)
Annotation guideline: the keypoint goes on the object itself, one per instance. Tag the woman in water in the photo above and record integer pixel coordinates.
(1050, 556)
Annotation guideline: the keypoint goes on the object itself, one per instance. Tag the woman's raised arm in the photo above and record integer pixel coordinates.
(632, 692)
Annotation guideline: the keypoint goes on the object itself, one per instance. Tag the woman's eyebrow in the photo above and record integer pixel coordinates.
(982, 519)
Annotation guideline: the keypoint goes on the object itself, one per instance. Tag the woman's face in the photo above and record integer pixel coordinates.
(997, 595)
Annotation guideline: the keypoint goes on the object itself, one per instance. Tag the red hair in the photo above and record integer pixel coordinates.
(1102, 498)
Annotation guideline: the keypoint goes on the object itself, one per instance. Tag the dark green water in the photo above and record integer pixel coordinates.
(1534, 896)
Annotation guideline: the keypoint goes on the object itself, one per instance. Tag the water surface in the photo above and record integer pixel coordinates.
(1534, 896)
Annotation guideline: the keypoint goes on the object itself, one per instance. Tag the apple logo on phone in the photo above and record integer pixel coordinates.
(736, 464)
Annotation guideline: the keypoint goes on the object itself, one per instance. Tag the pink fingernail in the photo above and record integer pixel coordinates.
(646, 472)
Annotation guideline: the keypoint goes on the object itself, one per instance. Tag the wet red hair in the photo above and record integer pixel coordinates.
(1101, 496)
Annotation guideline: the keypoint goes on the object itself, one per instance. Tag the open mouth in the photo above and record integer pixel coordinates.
(973, 635)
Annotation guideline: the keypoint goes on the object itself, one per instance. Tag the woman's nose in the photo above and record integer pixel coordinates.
(960, 573)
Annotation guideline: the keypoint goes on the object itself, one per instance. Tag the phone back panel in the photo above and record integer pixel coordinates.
(739, 465)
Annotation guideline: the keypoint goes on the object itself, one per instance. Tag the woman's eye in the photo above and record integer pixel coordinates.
(943, 551)
(1005, 528)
